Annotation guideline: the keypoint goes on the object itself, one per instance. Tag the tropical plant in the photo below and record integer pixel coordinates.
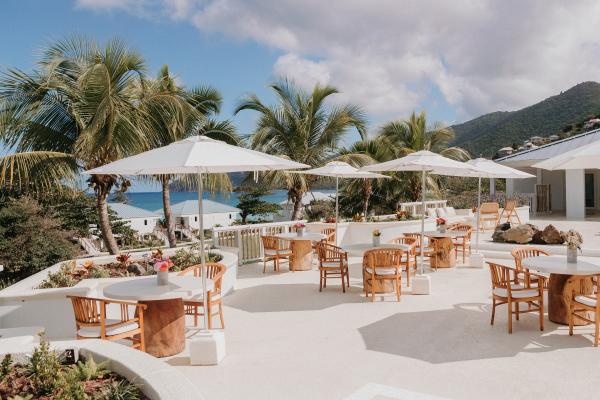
(121, 390)
(176, 113)
(413, 134)
(44, 369)
(250, 203)
(77, 111)
(302, 128)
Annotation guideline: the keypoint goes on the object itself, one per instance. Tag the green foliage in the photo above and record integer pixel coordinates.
(17, 397)
(72, 387)
(122, 390)
(30, 240)
(73, 208)
(98, 272)
(251, 204)
(89, 369)
(486, 134)
(44, 369)
(61, 278)
(186, 257)
(320, 209)
(5, 366)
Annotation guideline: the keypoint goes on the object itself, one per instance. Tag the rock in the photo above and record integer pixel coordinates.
(537, 238)
(551, 235)
(503, 227)
(136, 269)
(521, 234)
(498, 236)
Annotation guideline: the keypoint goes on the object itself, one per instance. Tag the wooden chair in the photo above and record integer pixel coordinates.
(427, 250)
(92, 323)
(275, 251)
(505, 291)
(333, 261)
(409, 260)
(488, 212)
(509, 212)
(214, 271)
(330, 235)
(462, 243)
(382, 265)
(581, 304)
(519, 254)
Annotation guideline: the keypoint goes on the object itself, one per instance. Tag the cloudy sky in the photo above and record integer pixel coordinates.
(456, 59)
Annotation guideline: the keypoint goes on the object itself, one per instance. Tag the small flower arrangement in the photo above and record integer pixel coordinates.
(573, 240)
(358, 218)
(376, 233)
(88, 264)
(163, 265)
(440, 221)
(401, 215)
(330, 220)
(299, 225)
(123, 258)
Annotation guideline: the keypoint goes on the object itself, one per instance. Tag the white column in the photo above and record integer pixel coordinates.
(492, 188)
(510, 188)
(575, 193)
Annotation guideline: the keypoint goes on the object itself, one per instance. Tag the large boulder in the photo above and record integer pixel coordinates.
(503, 227)
(498, 236)
(136, 269)
(521, 234)
(551, 235)
(537, 238)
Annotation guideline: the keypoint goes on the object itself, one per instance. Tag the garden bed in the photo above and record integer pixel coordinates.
(47, 375)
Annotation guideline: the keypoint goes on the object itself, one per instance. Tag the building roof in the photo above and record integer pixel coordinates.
(190, 207)
(125, 211)
(310, 196)
(534, 155)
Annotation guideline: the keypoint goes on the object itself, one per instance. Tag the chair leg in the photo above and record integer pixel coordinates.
(348, 277)
(264, 265)
(542, 313)
(320, 280)
(372, 291)
(596, 331)
(142, 342)
(343, 282)
(209, 312)
(221, 315)
(517, 309)
(493, 311)
(571, 319)
(510, 313)
(397, 289)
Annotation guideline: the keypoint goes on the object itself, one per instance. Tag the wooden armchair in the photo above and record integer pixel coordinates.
(519, 254)
(462, 243)
(195, 307)
(505, 291)
(409, 260)
(509, 212)
(380, 265)
(582, 304)
(275, 251)
(427, 250)
(329, 235)
(333, 261)
(92, 323)
(488, 212)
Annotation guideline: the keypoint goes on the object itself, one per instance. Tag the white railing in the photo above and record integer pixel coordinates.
(247, 237)
(416, 208)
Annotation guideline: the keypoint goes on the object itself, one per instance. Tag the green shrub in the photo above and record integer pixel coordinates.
(60, 278)
(44, 370)
(122, 390)
(85, 371)
(5, 366)
(98, 272)
(186, 257)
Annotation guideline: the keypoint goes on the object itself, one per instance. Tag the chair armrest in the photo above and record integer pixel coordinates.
(187, 270)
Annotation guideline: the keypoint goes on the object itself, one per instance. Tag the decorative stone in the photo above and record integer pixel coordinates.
(136, 269)
(551, 235)
(503, 227)
(207, 348)
(521, 234)
(538, 238)
(498, 236)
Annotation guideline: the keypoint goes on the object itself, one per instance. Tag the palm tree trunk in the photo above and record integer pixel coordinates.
(166, 196)
(368, 190)
(297, 209)
(104, 220)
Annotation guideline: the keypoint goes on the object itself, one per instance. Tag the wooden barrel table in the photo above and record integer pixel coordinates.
(164, 318)
(301, 259)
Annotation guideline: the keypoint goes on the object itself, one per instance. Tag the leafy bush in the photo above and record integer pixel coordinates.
(184, 258)
(44, 370)
(89, 369)
(122, 390)
(98, 272)
(61, 278)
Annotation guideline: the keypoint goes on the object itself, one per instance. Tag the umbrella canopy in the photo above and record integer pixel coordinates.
(424, 161)
(340, 169)
(579, 158)
(485, 168)
(196, 155)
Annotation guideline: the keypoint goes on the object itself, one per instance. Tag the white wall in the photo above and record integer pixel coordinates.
(210, 220)
(143, 225)
(556, 180)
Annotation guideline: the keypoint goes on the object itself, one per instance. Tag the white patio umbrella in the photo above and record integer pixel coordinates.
(485, 168)
(337, 170)
(196, 155)
(587, 156)
(426, 162)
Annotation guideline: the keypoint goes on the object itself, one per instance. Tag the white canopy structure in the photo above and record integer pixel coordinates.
(197, 155)
(587, 156)
(337, 170)
(424, 161)
(485, 168)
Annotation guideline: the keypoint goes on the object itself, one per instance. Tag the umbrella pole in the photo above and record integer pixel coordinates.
(337, 183)
(478, 207)
(202, 256)
(422, 221)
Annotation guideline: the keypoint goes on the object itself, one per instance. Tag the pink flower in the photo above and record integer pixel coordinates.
(163, 265)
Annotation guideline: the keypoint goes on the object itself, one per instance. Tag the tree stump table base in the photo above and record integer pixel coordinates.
(444, 255)
(559, 295)
(164, 327)
(301, 259)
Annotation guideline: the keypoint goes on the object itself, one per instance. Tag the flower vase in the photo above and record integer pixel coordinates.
(376, 241)
(571, 255)
(442, 228)
(162, 278)
(300, 231)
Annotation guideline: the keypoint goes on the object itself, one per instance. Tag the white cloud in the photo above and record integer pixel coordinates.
(482, 55)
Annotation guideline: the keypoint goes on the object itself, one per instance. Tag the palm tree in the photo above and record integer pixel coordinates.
(301, 128)
(175, 114)
(413, 134)
(77, 111)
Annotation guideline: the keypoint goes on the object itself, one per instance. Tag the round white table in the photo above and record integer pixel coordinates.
(164, 318)
(561, 283)
(301, 259)
(358, 249)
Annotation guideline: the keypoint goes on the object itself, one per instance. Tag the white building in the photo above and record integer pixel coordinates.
(140, 220)
(574, 193)
(186, 214)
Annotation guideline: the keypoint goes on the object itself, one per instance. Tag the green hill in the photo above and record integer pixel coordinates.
(486, 134)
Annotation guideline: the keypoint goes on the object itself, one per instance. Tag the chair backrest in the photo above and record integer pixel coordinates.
(329, 233)
(88, 311)
(522, 252)
(416, 236)
(272, 243)
(462, 227)
(489, 208)
(328, 252)
(500, 275)
(510, 205)
(214, 271)
(407, 240)
(383, 258)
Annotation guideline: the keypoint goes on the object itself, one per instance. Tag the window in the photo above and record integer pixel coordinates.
(230, 216)
(195, 219)
(145, 222)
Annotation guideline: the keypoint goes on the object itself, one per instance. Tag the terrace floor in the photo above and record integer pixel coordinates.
(285, 340)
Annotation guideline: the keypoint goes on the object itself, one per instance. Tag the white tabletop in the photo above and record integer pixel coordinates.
(559, 265)
(362, 247)
(447, 234)
(146, 288)
(315, 237)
